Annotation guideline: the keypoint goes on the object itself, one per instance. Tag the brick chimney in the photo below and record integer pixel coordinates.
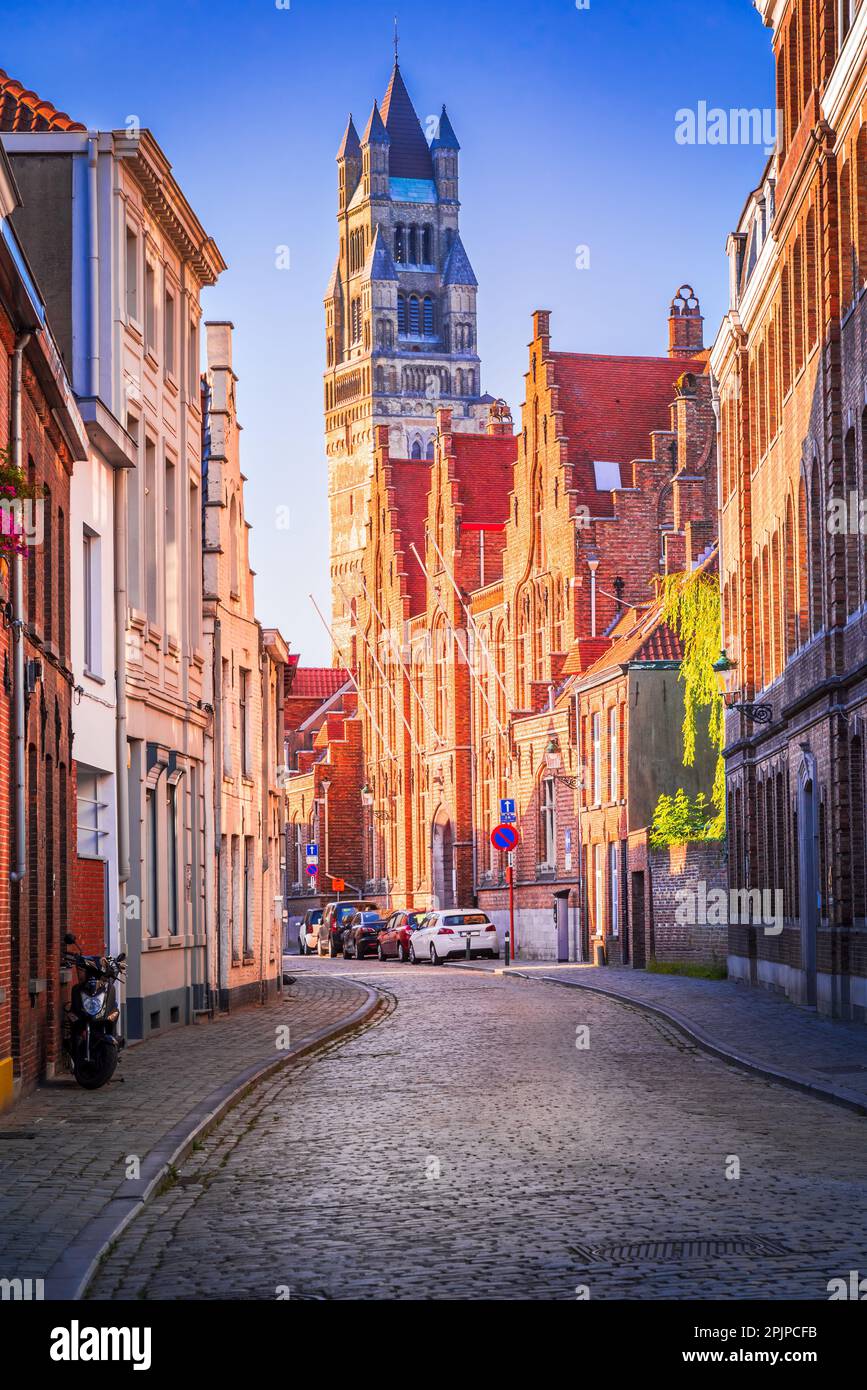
(685, 324)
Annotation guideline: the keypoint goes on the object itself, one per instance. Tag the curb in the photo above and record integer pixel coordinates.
(70, 1275)
(832, 1095)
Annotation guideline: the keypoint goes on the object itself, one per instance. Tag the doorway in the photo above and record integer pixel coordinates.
(443, 861)
(808, 855)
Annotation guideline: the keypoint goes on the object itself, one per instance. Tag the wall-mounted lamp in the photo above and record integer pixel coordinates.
(723, 669)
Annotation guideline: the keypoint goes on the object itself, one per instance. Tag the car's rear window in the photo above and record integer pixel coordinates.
(315, 916)
(464, 919)
(371, 919)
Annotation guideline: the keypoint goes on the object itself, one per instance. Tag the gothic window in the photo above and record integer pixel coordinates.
(459, 383)
(416, 256)
(400, 245)
(440, 678)
(413, 316)
(500, 664)
(429, 452)
(427, 246)
(416, 448)
(428, 315)
(816, 514)
(380, 379)
(401, 314)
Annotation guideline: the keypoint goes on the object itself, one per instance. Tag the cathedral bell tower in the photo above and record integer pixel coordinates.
(400, 317)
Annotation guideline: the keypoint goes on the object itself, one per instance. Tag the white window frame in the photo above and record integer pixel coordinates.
(613, 753)
(614, 888)
(596, 740)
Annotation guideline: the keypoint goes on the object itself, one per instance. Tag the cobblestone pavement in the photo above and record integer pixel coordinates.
(63, 1151)
(753, 1023)
(468, 1146)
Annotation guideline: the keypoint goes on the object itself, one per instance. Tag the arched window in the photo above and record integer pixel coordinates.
(500, 662)
(415, 452)
(427, 246)
(789, 559)
(812, 289)
(459, 383)
(847, 259)
(413, 316)
(441, 666)
(428, 315)
(852, 540)
(429, 452)
(798, 304)
(401, 314)
(379, 377)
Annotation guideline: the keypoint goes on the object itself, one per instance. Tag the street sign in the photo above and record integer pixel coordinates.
(504, 837)
(313, 870)
(313, 853)
(338, 885)
(507, 810)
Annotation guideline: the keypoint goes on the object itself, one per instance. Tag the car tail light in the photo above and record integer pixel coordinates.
(445, 931)
(490, 927)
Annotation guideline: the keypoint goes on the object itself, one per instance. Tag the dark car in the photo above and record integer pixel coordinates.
(335, 917)
(394, 938)
(361, 935)
(308, 931)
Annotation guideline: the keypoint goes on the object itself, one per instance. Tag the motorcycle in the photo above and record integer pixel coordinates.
(90, 1038)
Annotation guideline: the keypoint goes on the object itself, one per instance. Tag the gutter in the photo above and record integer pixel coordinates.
(19, 732)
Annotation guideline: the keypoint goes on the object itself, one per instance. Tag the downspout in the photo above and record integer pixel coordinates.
(19, 732)
(265, 688)
(218, 799)
(93, 268)
(120, 610)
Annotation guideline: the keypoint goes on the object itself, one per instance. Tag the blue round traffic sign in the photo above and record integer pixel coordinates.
(504, 837)
(313, 870)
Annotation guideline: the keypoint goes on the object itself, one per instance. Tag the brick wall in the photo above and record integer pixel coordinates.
(87, 919)
(682, 880)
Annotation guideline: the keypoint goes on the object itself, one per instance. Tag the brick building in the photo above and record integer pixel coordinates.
(793, 462)
(244, 682)
(41, 437)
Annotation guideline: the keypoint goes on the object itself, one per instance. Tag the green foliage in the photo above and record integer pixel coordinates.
(716, 971)
(691, 607)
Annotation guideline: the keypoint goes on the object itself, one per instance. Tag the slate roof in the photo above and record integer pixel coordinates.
(375, 132)
(409, 155)
(457, 269)
(21, 109)
(349, 145)
(446, 139)
(380, 262)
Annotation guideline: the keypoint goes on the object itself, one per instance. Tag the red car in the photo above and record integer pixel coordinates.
(394, 937)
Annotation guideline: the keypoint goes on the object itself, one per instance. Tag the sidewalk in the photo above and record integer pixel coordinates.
(750, 1027)
(65, 1152)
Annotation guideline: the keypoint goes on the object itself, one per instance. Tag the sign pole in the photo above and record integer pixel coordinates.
(514, 944)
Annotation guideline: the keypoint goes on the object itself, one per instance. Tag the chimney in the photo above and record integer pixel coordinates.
(685, 324)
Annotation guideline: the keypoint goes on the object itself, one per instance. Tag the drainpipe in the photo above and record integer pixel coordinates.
(120, 611)
(93, 266)
(20, 869)
(265, 764)
(218, 798)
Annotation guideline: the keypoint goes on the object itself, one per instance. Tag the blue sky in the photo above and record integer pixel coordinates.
(566, 119)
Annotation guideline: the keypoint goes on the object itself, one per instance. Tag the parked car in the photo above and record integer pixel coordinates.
(334, 919)
(395, 935)
(308, 931)
(361, 935)
(443, 934)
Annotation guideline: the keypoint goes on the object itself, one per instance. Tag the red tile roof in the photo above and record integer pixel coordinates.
(646, 638)
(610, 406)
(485, 466)
(411, 480)
(24, 110)
(319, 682)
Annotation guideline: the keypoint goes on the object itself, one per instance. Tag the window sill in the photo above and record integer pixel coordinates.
(92, 676)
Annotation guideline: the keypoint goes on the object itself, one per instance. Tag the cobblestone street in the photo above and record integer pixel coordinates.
(466, 1147)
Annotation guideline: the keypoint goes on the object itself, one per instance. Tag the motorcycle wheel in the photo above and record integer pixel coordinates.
(99, 1070)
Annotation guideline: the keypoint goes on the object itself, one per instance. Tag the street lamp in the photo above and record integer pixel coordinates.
(554, 762)
(722, 669)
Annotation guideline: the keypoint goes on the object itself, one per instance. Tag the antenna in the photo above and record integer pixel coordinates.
(396, 40)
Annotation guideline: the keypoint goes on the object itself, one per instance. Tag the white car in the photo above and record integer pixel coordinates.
(445, 933)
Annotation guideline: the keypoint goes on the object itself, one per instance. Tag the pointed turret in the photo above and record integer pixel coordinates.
(410, 155)
(375, 132)
(375, 154)
(380, 262)
(348, 165)
(445, 137)
(457, 269)
(444, 154)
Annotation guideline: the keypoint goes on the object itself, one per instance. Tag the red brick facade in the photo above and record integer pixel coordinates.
(793, 449)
